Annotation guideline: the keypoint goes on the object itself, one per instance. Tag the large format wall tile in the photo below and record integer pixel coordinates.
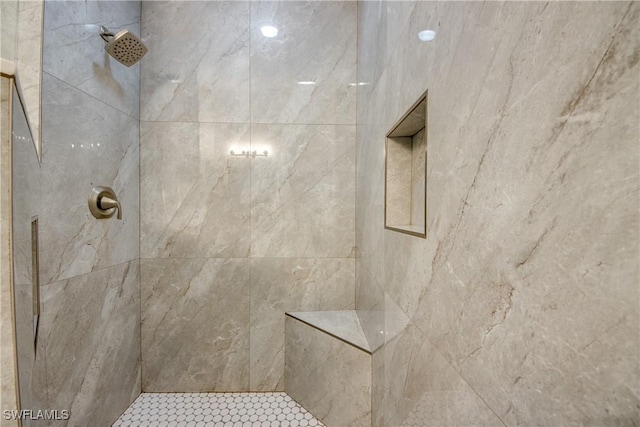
(195, 325)
(542, 245)
(26, 183)
(9, 29)
(29, 59)
(291, 284)
(90, 326)
(86, 143)
(74, 51)
(328, 376)
(420, 387)
(369, 227)
(423, 389)
(302, 194)
(8, 367)
(194, 195)
(197, 68)
(527, 282)
(90, 299)
(316, 43)
(199, 202)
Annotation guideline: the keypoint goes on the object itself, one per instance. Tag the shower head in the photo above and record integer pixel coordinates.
(124, 46)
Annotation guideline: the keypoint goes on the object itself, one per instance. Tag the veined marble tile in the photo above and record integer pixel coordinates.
(30, 356)
(421, 387)
(197, 68)
(86, 144)
(90, 326)
(279, 285)
(73, 50)
(29, 59)
(306, 74)
(7, 350)
(370, 235)
(527, 283)
(9, 29)
(302, 194)
(330, 378)
(195, 325)
(370, 193)
(371, 61)
(26, 182)
(378, 388)
(542, 238)
(195, 195)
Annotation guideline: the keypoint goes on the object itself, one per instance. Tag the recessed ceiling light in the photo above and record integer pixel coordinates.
(269, 31)
(427, 35)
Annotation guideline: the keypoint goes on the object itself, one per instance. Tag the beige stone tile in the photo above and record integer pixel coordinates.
(195, 325)
(530, 266)
(316, 43)
(194, 199)
(279, 285)
(90, 327)
(328, 377)
(197, 68)
(73, 50)
(88, 143)
(302, 194)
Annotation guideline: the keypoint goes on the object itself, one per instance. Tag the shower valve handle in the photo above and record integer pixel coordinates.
(103, 203)
(107, 203)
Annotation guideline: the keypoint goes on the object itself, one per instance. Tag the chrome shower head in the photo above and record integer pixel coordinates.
(124, 46)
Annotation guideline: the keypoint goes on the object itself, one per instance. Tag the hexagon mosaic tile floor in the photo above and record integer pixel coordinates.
(215, 410)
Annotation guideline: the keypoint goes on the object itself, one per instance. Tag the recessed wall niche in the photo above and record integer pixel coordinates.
(405, 208)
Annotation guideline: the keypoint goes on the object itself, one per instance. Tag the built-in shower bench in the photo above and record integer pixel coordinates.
(328, 364)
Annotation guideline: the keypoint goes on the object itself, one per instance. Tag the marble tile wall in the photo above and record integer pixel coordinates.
(279, 285)
(21, 43)
(235, 241)
(29, 59)
(91, 333)
(523, 300)
(8, 396)
(195, 324)
(329, 377)
(90, 295)
(26, 183)
(9, 29)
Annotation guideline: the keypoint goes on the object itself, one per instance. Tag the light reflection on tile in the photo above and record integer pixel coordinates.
(316, 42)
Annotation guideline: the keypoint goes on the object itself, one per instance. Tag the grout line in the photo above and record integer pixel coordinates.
(355, 176)
(93, 97)
(250, 10)
(457, 372)
(247, 123)
(140, 207)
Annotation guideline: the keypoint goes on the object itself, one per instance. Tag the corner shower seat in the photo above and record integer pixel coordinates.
(328, 364)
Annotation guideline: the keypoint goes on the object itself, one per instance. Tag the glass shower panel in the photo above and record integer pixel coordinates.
(25, 197)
